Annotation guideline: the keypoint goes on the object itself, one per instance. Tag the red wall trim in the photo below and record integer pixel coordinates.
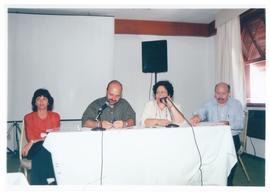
(142, 27)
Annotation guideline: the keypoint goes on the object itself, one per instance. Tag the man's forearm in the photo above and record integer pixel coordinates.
(90, 123)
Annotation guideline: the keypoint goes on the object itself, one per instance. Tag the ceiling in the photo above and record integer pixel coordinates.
(176, 15)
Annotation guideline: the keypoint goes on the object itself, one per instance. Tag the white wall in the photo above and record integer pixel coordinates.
(71, 56)
(190, 69)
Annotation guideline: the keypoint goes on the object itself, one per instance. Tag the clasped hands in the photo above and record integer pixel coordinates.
(115, 124)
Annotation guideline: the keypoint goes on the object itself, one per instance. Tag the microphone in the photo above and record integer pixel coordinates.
(103, 107)
(100, 110)
(163, 100)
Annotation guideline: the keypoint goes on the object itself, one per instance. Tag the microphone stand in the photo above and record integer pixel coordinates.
(99, 127)
(180, 112)
(197, 147)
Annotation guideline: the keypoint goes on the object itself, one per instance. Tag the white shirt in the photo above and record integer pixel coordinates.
(152, 111)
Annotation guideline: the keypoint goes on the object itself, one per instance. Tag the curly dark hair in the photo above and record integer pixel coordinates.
(168, 86)
(44, 93)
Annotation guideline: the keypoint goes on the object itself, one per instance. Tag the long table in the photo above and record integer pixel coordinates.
(143, 156)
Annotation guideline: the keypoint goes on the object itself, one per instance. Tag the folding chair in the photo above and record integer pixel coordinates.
(242, 149)
(25, 164)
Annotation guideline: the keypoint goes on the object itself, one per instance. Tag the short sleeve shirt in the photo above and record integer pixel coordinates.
(119, 111)
(34, 125)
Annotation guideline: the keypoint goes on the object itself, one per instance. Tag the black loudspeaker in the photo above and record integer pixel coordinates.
(154, 56)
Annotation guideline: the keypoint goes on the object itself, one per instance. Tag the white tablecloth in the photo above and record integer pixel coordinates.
(16, 178)
(143, 156)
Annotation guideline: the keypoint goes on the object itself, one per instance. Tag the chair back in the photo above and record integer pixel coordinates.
(23, 140)
(25, 164)
(243, 135)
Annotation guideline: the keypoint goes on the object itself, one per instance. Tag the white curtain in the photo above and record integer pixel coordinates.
(229, 66)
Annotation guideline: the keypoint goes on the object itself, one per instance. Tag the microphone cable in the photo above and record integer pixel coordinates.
(197, 146)
(101, 165)
(252, 146)
(151, 82)
(194, 138)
